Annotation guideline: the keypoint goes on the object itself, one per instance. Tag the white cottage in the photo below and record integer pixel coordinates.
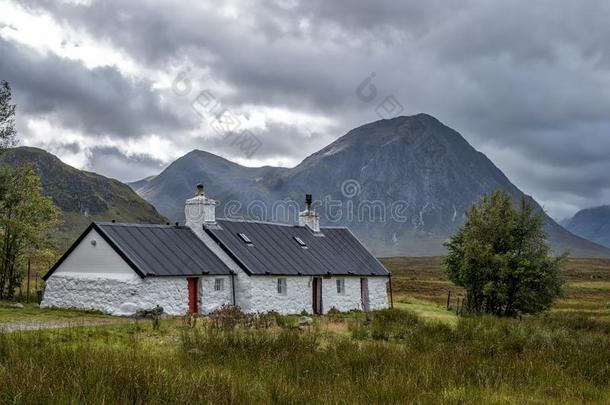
(259, 266)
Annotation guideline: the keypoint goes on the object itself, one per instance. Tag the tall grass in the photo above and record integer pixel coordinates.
(395, 358)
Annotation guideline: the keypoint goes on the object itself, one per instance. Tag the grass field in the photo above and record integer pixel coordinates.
(587, 285)
(32, 313)
(418, 353)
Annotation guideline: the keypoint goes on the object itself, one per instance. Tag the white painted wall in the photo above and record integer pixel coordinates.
(125, 296)
(378, 293)
(264, 296)
(343, 302)
(99, 260)
(209, 298)
(116, 296)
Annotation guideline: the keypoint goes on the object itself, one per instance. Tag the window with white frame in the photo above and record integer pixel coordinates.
(219, 284)
(340, 286)
(282, 286)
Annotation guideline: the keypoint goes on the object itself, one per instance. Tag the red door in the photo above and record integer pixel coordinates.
(193, 287)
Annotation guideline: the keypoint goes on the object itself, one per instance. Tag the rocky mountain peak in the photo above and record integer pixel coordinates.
(416, 161)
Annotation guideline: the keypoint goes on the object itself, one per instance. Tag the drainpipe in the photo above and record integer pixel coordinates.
(233, 286)
(391, 295)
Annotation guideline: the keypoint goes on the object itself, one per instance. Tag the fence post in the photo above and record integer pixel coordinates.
(448, 300)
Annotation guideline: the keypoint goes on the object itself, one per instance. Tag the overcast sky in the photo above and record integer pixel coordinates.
(125, 87)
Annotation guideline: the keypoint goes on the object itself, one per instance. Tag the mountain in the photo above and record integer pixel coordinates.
(82, 196)
(592, 224)
(402, 185)
(225, 180)
(141, 183)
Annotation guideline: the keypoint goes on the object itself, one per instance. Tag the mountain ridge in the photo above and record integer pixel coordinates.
(592, 224)
(415, 160)
(82, 196)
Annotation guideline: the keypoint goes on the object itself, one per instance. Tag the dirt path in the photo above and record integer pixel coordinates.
(56, 324)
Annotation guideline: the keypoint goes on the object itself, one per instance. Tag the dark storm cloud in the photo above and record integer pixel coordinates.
(526, 82)
(278, 142)
(96, 101)
(410, 17)
(60, 148)
(276, 66)
(115, 164)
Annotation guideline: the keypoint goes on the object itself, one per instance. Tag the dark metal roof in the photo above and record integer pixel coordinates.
(275, 251)
(156, 250)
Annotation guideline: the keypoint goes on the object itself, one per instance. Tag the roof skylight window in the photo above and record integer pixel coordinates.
(300, 242)
(245, 238)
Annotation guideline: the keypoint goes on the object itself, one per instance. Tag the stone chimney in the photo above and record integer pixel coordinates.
(200, 211)
(309, 217)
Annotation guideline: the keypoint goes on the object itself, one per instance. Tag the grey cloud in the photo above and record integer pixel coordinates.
(60, 148)
(96, 101)
(410, 17)
(285, 70)
(524, 81)
(115, 164)
(278, 142)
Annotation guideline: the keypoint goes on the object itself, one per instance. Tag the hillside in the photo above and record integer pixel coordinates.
(402, 185)
(82, 196)
(592, 224)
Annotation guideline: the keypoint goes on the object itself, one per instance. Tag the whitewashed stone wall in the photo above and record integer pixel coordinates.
(264, 296)
(347, 301)
(378, 293)
(116, 296)
(126, 296)
(209, 298)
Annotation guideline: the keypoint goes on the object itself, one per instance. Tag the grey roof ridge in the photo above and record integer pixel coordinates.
(108, 223)
(228, 251)
(364, 246)
(180, 247)
(245, 264)
(135, 225)
(254, 221)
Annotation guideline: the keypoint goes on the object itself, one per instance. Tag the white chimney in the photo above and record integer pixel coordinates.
(309, 217)
(200, 211)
